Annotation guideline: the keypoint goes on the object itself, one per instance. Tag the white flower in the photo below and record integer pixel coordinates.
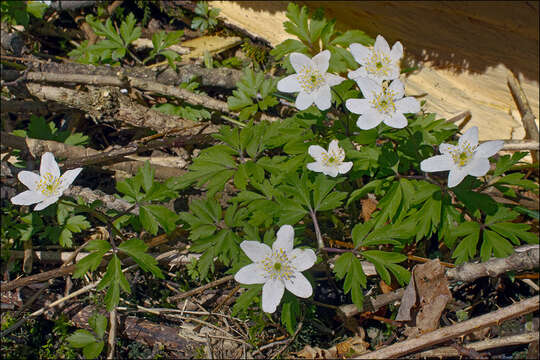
(382, 103)
(467, 158)
(277, 268)
(379, 63)
(329, 162)
(311, 80)
(47, 188)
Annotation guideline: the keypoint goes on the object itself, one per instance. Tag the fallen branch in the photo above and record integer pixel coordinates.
(451, 332)
(200, 289)
(449, 351)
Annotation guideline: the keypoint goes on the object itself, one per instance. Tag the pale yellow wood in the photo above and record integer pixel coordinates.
(464, 49)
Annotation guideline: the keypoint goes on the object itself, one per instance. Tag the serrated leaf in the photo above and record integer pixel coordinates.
(81, 338)
(153, 215)
(381, 259)
(136, 248)
(91, 261)
(98, 323)
(65, 238)
(496, 244)
(353, 36)
(246, 299)
(147, 175)
(505, 162)
(206, 263)
(466, 249)
(114, 279)
(77, 223)
(92, 351)
(348, 266)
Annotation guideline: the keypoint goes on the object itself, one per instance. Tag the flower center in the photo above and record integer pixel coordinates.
(378, 64)
(48, 185)
(384, 101)
(333, 158)
(310, 79)
(278, 265)
(462, 155)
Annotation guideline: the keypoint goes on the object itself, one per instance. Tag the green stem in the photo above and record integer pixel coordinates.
(231, 120)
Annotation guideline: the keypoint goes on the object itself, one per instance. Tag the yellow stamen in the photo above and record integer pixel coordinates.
(310, 79)
(49, 185)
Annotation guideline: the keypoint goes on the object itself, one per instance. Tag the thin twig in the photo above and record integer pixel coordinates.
(112, 333)
(200, 289)
(300, 324)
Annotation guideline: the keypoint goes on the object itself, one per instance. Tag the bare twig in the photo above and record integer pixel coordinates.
(451, 332)
(112, 333)
(200, 289)
(527, 116)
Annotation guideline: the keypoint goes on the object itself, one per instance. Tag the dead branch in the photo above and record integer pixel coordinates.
(125, 81)
(31, 279)
(519, 261)
(516, 145)
(225, 78)
(112, 334)
(449, 351)
(456, 330)
(527, 116)
(79, 156)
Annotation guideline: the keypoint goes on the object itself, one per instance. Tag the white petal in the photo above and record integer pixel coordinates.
(299, 285)
(358, 73)
(29, 179)
(397, 120)
(369, 87)
(49, 165)
(369, 120)
(437, 163)
(330, 171)
(255, 251)
(397, 51)
(360, 52)
(285, 239)
(456, 176)
(470, 136)
(299, 61)
(303, 259)
(303, 100)
(68, 177)
(316, 152)
(322, 60)
(397, 87)
(251, 274)
(48, 201)
(289, 84)
(478, 166)
(271, 295)
(345, 167)
(334, 146)
(358, 106)
(487, 149)
(381, 45)
(408, 105)
(27, 197)
(393, 74)
(333, 80)
(323, 97)
(447, 149)
(316, 166)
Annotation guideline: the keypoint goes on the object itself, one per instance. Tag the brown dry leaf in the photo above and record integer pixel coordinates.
(408, 300)
(368, 207)
(350, 347)
(385, 288)
(433, 293)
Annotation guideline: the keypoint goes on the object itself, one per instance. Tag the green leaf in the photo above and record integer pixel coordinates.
(290, 311)
(476, 201)
(515, 232)
(65, 238)
(114, 279)
(147, 175)
(92, 351)
(353, 36)
(153, 215)
(298, 24)
(206, 263)
(517, 179)
(77, 223)
(381, 259)
(98, 248)
(81, 338)
(389, 204)
(288, 46)
(348, 266)
(360, 193)
(505, 162)
(494, 243)
(246, 299)
(466, 249)
(98, 323)
(136, 248)
(36, 8)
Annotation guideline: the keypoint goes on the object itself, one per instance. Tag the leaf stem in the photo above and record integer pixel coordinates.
(320, 243)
